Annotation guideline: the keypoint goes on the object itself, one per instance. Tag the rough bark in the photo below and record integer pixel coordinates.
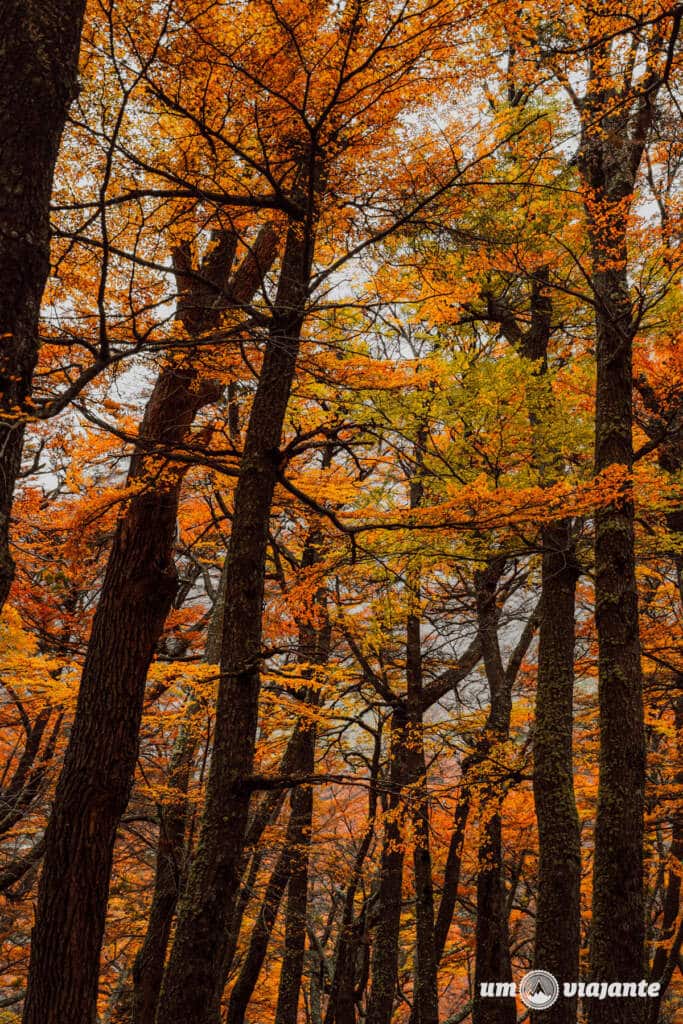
(39, 49)
(618, 933)
(492, 960)
(314, 649)
(609, 160)
(558, 921)
(192, 984)
(94, 785)
(200, 304)
(670, 457)
(385, 947)
(245, 984)
(425, 989)
(148, 968)
(668, 950)
(558, 905)
(614, 135)
(138, 589)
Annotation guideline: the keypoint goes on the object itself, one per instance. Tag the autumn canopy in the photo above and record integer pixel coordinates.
(341, 510)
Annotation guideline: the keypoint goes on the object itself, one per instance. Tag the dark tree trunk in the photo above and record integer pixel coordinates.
(493, 950)
(149, 965)
(425, 989)
(389, 898)
(148, 968)
(297, 903)
(294, 858)
(558, 921)
(451, 879)
(243, 988)
(667, 955)
(99, 764)
(266, 812)
(191, 990)
(314, 649)
(341, 1003)
(558, 905)
(618, 927)
(426, 997)
(39, 49)
(93, 789)
(616, 119)
(618, 932)
(492, 961)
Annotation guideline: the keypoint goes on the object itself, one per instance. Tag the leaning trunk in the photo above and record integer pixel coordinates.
(192, 985)
(99, 764)
(138, 589)
(243, 988)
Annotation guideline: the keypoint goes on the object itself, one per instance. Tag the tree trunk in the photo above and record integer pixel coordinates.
(192, 985)
(99, 765)
(148, 968)
(340, 1007)
(618, 927)
(243, 988)
(314, 648)
(618, 932)
(425, 988)
(492, 961)
(558, 906)
(38, 81)
(667, 954)
(389, 898)
(297, 906)
(451, 879)
(558, 909)
(426, 996)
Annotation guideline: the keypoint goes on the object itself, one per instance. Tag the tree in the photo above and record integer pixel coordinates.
(39, 83)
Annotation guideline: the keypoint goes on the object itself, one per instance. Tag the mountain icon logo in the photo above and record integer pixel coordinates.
(539, 990)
